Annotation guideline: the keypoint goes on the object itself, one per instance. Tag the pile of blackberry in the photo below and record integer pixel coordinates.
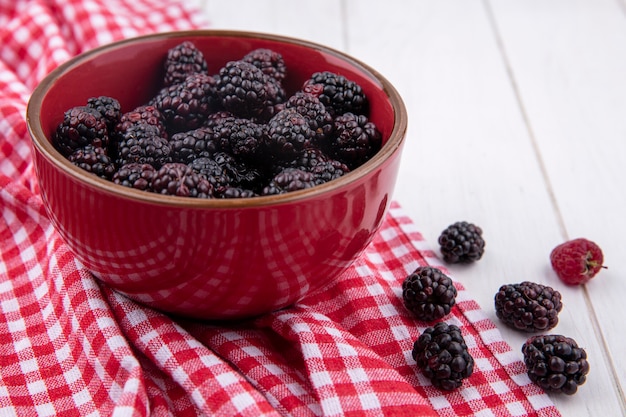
(228, 132)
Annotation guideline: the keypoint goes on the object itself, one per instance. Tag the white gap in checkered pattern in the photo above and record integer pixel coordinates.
(311, 350)
(439, 402)
(11, 305)
(82, 397)
(55, 331)
(46, 410)
(18, 325)
(123, 411)
(252, 351)
(400, 333)
(36, 387)
(539, 401)
(474, 316)
(226, 379)
(516, 409)
(243, 401)
(331, 406)
(369, 401)
(22, 344)
(484, 413)
(470, 394)
(388, 310)
(357, 375)
(72, 375)
(388, 234)
(483, 364)
(346, 351)
(321, 379)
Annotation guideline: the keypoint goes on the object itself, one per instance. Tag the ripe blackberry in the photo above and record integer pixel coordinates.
(186, 105)
(142, 143)
(95, 160)
(81, 126)
(108, 107)
(288, 134)
(288, 180)
(182, 60)
(555, 363)
(320, 120)
(190, 145)
(462, 242)
(322, 167)
(528, 306)
(135, 175)
(141, 114)
(442, 355)
(337, 93)
(239, 174)
(218, 117)
(241, 138)
(270, 62)
(212, 171)
(236, 192)
(180, 180)
(355, 139)
(428, 293)
(244, 89)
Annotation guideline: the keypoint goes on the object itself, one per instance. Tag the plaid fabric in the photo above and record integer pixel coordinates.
(70, 346)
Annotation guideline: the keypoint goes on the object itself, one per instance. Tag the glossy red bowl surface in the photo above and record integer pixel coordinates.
(210, 258)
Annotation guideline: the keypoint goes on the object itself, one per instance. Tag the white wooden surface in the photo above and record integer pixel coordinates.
(517, 122)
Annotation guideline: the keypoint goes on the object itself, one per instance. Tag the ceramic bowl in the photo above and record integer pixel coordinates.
(212, 259)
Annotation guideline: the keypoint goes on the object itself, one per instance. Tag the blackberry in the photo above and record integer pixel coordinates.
(322, 167)
(190, 145)
(337, 93)
(355, 139)
(428, 293)
(241, 138)
(288, 180)
(180, 180)
(186, 105)
(555, 363)
(95, 160)
(244, 89)
(181, 61)
(462, 242)
(320, 120)
(268, 61)
(141, 114)
(239, 174)
(81, 126)
(442, 355)
(142, 143)
(108, 107)
(218, 117)
(528, 306)
(288, 134)
(135, 175)
(236, 192)
(212, 171)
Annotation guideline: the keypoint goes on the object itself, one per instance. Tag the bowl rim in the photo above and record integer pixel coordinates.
(47, 150)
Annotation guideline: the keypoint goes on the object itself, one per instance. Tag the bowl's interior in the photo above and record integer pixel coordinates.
(131, 71)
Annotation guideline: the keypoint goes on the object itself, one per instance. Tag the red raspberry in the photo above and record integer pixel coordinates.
(576, 261)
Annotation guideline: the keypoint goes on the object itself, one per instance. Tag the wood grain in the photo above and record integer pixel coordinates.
(516, 123)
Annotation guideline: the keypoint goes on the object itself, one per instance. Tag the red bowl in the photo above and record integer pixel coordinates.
(211, 258)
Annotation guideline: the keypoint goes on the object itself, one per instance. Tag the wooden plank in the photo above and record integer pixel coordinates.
(476, 149)
(570, 73)
(470, 156)
(318, 21)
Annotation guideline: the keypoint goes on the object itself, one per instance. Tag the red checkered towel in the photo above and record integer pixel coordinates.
(69, 346)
